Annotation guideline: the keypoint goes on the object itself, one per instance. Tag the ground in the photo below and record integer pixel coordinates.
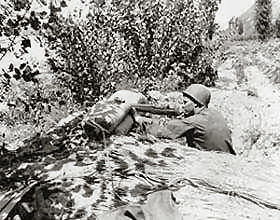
(97, 177)
(249, 99)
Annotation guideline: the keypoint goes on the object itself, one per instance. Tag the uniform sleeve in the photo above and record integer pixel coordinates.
(179, 128)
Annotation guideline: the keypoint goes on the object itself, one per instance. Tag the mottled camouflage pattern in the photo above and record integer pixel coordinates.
(160, 205)
(64, 175)
(107, 114)
(95, 179)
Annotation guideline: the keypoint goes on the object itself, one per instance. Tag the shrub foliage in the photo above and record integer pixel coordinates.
(240, 27)
(160, 44)
(277, 27)
(144, 44)
(141, 42)
(263, 19)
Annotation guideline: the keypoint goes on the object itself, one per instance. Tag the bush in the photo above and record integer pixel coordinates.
(129, 40)
(31, 98)
(277, 28)
(263, 19)
(240, 27)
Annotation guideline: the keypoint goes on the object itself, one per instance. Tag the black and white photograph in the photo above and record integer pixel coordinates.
(139, 109)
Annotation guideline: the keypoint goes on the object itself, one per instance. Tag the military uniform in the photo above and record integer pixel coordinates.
(206, 130)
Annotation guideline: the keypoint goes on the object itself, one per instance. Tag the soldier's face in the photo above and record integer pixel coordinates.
(191, 106)
(188, 101)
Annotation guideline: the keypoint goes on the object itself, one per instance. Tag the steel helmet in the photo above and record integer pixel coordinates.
(198, 93)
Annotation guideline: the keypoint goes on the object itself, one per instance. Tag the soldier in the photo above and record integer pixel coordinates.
(206, 129)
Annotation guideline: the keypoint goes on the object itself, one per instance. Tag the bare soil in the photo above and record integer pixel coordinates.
(250, 101)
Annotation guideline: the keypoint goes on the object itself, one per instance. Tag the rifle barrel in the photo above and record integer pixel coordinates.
(155, 109)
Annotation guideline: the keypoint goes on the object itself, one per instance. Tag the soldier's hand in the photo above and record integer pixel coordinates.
(185, 109)
(143, 120)
(189, 108)
(179, 109)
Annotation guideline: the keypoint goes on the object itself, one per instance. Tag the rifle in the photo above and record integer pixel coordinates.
(159, 110)
(155, 109)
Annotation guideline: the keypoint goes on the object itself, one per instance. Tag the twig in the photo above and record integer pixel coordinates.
(198, 183)
(100, 127)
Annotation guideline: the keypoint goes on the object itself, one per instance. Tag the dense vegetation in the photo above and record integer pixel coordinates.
(136, 44)
(263, 19)
(116, 44)
(277, 27)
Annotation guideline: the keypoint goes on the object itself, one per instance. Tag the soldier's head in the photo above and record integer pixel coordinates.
(198, 94)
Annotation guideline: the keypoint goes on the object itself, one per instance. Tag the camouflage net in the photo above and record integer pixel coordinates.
(65, 176)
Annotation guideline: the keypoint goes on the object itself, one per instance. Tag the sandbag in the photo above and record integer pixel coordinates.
(112, 116)
(126, 124)
(129, 97)
(109, 117)
(160, 206)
